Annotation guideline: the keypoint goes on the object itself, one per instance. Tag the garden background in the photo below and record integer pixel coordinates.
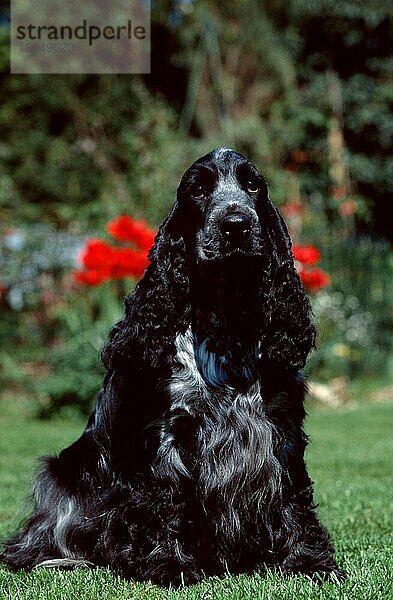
(304, 89)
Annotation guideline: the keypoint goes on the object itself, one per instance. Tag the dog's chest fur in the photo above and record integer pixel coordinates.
(231, 457)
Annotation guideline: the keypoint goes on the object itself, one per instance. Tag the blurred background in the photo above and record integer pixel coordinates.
(304, 89)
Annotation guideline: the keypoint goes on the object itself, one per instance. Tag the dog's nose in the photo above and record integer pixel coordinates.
(235, 227)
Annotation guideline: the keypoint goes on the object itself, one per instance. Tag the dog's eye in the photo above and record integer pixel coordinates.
(197, 191)
(252, 186)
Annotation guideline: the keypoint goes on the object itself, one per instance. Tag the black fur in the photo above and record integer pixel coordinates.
(192, 463)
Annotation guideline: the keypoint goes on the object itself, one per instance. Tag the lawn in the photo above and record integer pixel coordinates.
(350, 459)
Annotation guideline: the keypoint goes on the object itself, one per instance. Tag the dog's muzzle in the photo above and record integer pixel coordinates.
(233, 232)
(235, 229)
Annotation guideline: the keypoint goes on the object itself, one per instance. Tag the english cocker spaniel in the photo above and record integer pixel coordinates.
(192, 461)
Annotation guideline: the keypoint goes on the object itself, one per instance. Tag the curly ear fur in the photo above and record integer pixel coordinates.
(157, 309)
(290, 333)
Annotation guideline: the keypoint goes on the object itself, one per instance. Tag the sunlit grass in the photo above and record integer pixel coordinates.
(349, 458)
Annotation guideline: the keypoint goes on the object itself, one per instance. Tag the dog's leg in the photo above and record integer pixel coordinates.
(58, 533)
(304, 545)
(145, 534)
(169, 563)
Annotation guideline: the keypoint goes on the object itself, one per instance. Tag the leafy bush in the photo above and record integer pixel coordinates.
(75, 370)
(303, 89)
(355, 315)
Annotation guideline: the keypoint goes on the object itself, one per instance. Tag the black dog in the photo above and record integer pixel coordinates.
(192, 463)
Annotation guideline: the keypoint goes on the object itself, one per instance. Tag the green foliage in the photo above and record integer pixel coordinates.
(354, 314)
(74, 379)
(79, 162)
(75, 370)
(356, 332)
(78, 150)
(79, 147)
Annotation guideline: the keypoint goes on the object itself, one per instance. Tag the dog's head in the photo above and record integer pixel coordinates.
(221, 196)
(222, 216)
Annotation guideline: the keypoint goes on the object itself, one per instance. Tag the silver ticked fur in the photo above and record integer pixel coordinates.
(236, 465)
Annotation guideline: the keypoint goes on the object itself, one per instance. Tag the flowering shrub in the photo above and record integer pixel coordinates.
(102, 261)
(313, 278)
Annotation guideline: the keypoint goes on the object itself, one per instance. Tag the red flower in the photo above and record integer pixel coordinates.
(3, 291)
(97, 254)
(103, 261)
(292, 209)
(126, 229)
(299, 156)
(128, 262)
(308, 255)
(347, 208)
(292, 167)
(339, 192)
(89, 277)
(314, 279)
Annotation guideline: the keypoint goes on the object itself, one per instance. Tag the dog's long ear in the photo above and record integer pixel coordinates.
(157, 309)
(290, 333)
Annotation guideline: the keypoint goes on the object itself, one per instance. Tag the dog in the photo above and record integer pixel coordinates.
(192, 461)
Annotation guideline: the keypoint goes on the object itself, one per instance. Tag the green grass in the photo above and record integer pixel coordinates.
(349, 458)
